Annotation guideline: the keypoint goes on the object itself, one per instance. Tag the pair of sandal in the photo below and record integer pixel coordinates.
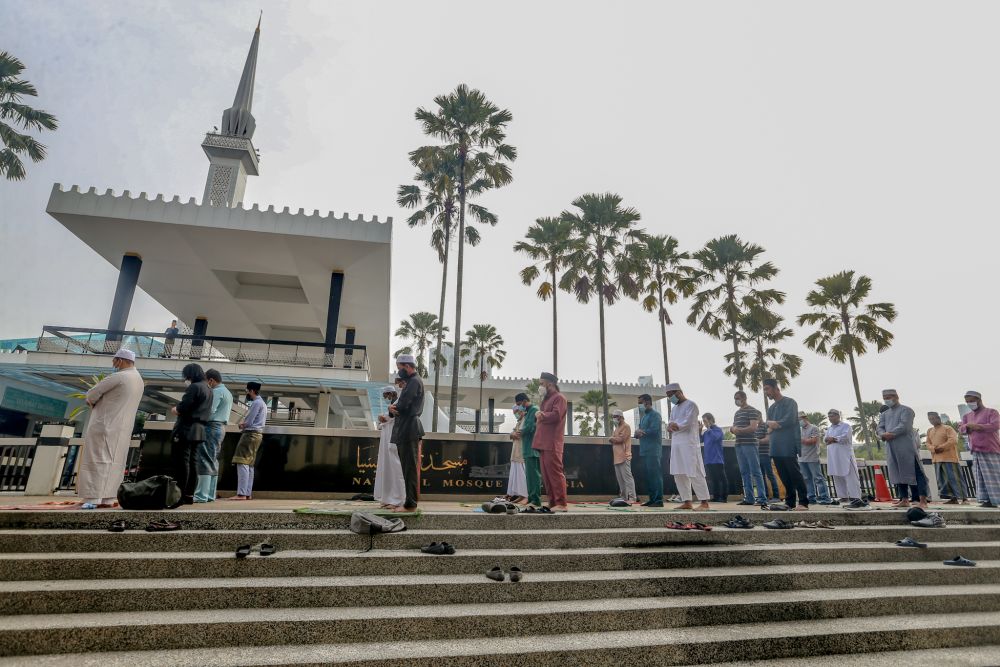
(158, 526)
(531, 509)
(814, 524)
(497, 574)
(438, 549)
(499, 507)
(264, 549)
(694, 525)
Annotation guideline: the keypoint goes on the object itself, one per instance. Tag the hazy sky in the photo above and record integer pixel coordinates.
(837, 135)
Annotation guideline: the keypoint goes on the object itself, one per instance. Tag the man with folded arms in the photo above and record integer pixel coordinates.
(686, 464)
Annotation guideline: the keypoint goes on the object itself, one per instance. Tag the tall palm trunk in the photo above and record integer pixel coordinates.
(453, 403)
(555, 328)
(604, 365)
(737, 361)
(440, 334)
(482, 378)
(846, 321)
(663, 339)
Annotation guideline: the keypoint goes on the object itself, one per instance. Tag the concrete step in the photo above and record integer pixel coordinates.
(134, 631)
(641, 648)
(975, 656)
(81, 540)
(583, 518)
(330, 563)
(117, 595)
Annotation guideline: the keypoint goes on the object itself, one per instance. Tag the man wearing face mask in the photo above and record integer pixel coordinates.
(193, 414)
(650, 437)
(407, 431)
(686, 464)
(942, 441)
(621, 446)
(895, 429)
(745, 423)
(785, 437)
(982, 425)
(550, 426)
(809, 466)
(841, 464)
(245, 455)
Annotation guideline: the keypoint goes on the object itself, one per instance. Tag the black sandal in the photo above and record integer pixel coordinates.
(243, 551)
(161, 526)
(117, 527)
(266, 549)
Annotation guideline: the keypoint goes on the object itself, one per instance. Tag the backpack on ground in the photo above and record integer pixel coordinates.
(155, 493)
(365, 523)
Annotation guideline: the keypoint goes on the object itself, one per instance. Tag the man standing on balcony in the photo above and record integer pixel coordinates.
(407, 430)
(550, 426)
(169, 336)
(215, 431)
(113, 403)
(245, 455)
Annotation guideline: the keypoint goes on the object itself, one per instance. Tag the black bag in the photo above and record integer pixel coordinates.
(155, 493)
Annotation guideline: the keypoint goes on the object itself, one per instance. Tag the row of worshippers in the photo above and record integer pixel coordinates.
(195, 441)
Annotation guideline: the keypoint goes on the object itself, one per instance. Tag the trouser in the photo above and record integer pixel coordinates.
(768, 472)
(816, 488)
(244, 479)
(100, 501)
(408, 453)
(717, 481)
(987, 471)
(914, 491)
(686, 482)
(747, 457)
(791, 477)
(184, 455)
(626, 484)
(208, 462)
(653, 467)
(553, 476)
(533, 474)
(949, 478)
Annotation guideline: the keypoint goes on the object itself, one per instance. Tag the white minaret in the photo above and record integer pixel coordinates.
(230, 151)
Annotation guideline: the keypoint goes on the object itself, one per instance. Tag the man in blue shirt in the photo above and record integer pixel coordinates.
(215, 431)
(785, 435)
(650, 437)
(246, 449)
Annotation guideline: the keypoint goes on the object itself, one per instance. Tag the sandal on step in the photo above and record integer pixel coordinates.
(676, 525)
(117, 527)
(243, 551)
(697, 526)
(161, 526)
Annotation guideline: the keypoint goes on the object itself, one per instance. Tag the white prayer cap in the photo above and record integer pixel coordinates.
(673, 386)
(127, 355)
(406, 359)
(390, 389)
(833, 411)
(974, 394)
(890, 391)
(617, 413)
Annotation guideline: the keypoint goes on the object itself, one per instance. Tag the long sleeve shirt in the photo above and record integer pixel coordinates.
(985, 439)
(942, 440)
(841, 432)
(713, 445)
(651, 440)
(256, 416)
(787, 439)
(621, 443)
(550, 423)
(222, 404)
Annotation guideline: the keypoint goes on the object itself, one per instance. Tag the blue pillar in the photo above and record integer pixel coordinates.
(490, 420)
(128, 278)
(333, 313)
(349, 351)
(200, 329)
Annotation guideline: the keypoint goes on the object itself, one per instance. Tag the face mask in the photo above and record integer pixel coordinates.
(804, 423)
(890, 402)
(739, 404)
(973, 406)
(641, 409)
(674, 399)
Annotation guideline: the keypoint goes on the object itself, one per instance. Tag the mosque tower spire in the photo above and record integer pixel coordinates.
(230, 151)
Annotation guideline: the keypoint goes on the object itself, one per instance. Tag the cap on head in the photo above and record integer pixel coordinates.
(254, 386)
(673, 386)
(549, 377)
(127, 355)
(833, 411)
(890, 392)
(406, 359)
(617, 413)
(973, 394)
(389, 389)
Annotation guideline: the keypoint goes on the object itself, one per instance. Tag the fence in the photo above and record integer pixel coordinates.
(15, 465)
(71, 466)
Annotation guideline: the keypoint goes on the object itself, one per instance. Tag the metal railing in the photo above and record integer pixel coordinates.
(71, 467)
(144, 344)
(15, 465)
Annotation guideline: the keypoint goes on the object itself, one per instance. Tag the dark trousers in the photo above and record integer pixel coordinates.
(768, 472)
(718, 483)
(654, 478)
(184, 456)
(791, 477)
(408, 454)
(915, 491)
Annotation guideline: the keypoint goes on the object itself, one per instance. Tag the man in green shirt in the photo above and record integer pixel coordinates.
(532, 462)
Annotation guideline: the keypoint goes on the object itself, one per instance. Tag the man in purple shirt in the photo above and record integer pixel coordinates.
(982, 425)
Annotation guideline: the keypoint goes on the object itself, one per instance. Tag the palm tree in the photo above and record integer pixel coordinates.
(476, 129)
(604, 249)
(588, 419)
(23, 117)
(761, 331)
(666, 277)
(484, 346)
(846, 325)
(861, 427)
(437, 173)
(420, 329)
(728, 275)
(817, 419)
(548, 245)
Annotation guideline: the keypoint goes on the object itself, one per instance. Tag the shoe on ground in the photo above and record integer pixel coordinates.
(438, 549)
(516, 574)
(823, 502)
(833, 501)
(987, 504)
(857, 505)
(738, 521)
(746, 502)
(959, 560)
(933, 520)
(652, 504)
(496, 574)
(910, 542)
(619, 502)
(778, 507)
(779, 524)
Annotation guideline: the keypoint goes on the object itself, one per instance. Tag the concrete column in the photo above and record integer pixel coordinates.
(569, 417)
(349, 352)
(490, 421)
(200, 329)
(333, 314)
(478, 419)
(47, 465)
(128, 278)
(323, 410)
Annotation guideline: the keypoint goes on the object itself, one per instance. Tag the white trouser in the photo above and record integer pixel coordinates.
(685, 483)
(101, 501)
(848, 486)
(244, 479)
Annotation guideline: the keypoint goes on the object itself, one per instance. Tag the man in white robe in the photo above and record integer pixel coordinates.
(686, 463)
(840, 462)
(390, 489)
(113, 404)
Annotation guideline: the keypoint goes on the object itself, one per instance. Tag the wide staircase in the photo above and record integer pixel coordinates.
(599, 588)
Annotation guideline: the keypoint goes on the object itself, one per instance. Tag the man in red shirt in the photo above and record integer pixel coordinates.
(982, 425)
(550, 427)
